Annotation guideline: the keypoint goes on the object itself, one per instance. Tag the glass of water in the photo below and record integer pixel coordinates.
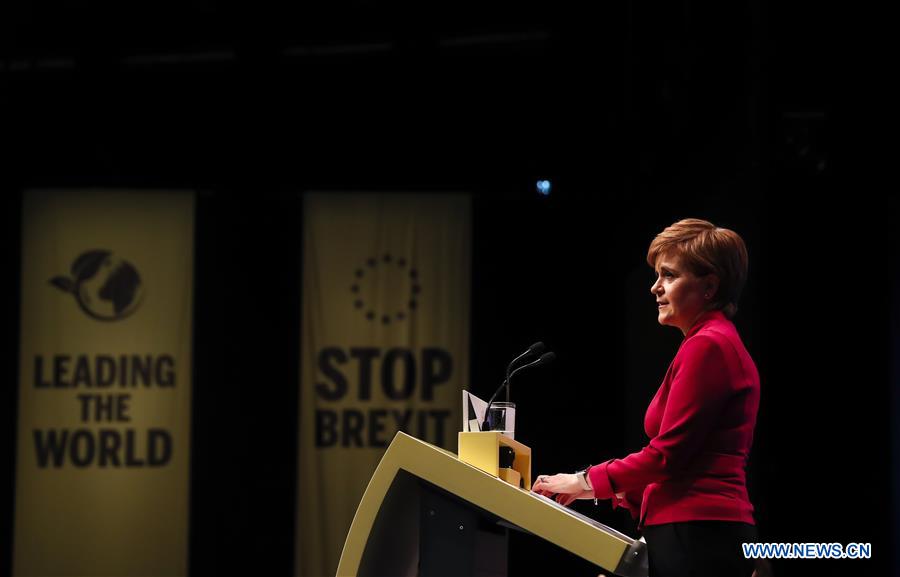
(502, 417)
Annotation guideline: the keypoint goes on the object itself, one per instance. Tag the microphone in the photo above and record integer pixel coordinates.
(543, 360)
(535, 349)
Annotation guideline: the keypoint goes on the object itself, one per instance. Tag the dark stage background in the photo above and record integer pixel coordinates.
(640, 116)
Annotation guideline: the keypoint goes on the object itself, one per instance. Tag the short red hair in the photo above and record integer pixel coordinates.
(706, 249)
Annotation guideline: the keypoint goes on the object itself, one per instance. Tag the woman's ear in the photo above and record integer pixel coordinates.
(712, 286)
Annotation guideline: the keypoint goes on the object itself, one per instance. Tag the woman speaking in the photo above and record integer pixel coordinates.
(687, 487)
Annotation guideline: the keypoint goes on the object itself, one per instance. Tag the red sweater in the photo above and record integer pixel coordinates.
(700, 425)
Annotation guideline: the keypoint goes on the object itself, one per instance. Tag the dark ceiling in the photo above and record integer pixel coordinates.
(385, 93)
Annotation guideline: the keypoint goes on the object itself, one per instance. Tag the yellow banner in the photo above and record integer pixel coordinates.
(105, 384)
(385, 341)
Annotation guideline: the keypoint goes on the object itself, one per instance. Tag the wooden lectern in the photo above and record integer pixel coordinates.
(427, 513)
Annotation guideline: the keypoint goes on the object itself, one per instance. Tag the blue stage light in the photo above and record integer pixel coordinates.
(543, 187)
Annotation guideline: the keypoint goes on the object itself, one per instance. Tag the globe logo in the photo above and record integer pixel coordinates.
(105, 286)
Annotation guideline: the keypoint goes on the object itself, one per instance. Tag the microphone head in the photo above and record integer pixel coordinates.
(536, 348)
(545, 358)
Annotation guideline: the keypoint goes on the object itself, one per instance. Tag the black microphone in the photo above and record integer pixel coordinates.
(535, 349)
(545, 358)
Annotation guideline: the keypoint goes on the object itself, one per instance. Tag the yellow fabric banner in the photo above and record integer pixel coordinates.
(105, 384)
(384, 347)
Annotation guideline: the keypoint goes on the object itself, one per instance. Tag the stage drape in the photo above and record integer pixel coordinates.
(104, 383)
(384, 346)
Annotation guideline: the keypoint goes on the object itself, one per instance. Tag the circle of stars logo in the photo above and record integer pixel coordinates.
(389, 265)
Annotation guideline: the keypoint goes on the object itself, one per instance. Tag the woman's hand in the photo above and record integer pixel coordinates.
(565, 486)
(569, 499)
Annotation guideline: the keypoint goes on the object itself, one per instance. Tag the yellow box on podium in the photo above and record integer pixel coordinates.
(482, 451)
